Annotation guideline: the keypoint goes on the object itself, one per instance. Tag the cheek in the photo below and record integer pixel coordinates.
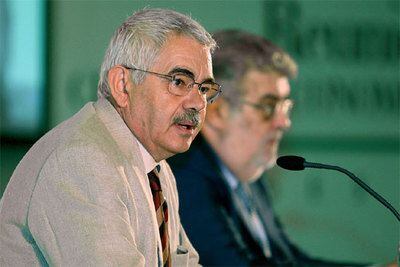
(259, 137)
(202, 117)
(160, 119)
(248, 134)
(257, 129)
(159, 112)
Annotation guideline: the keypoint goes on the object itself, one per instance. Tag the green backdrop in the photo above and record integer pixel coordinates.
(346, 113)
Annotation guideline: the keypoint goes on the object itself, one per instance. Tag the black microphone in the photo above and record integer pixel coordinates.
(292, 163)
(296, 163)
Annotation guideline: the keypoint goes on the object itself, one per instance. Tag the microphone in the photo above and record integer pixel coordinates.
(292, 163)
(296, 163)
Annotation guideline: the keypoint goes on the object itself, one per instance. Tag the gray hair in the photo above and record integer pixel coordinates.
(139, 39)
(238, 52)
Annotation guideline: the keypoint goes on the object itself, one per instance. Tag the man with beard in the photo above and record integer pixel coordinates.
(96, 190)
(224, 207)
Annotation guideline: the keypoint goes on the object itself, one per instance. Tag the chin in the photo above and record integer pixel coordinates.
(254, 177)
(270, 164)
(270, 159)
(180, 147)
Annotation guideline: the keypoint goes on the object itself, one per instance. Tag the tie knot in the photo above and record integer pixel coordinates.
(245, 197)
(157, 168)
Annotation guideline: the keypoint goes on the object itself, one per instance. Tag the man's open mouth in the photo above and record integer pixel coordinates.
(187, 126)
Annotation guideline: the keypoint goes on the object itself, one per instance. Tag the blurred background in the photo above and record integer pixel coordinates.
(346, 95)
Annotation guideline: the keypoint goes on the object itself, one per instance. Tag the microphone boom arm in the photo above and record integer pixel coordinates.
(358, 181)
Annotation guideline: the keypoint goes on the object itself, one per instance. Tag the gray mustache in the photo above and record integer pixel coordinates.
(190, 115)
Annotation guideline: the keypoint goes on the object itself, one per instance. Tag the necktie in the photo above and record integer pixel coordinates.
(161, 208)
(253, 220)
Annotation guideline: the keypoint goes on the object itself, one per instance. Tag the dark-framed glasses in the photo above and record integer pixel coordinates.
(181, 82)
(270, 104)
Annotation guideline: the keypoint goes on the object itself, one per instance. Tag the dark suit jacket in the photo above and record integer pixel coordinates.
(212, 221)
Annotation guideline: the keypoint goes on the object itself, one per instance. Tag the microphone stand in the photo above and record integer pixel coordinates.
(358, 181)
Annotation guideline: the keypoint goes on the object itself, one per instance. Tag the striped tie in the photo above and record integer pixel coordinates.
(162, 214)
(253, 219)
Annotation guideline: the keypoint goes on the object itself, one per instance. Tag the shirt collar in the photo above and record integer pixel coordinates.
(148, 160)
(229, 177)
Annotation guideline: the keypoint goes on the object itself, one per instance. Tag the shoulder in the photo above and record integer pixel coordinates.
(84, 166)
(84, 158)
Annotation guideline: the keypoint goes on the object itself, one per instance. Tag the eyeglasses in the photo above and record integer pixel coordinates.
(269, 105)
(181, 83)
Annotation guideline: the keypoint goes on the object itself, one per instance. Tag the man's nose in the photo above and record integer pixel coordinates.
(281, 120)
(195, 99)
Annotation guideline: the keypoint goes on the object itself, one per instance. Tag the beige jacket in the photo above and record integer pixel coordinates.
(80, 197)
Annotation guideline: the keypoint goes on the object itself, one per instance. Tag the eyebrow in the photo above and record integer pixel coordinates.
(188, 73)
(273, 97)
(182, 70)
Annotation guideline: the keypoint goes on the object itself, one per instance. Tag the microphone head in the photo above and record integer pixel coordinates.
(292, 163)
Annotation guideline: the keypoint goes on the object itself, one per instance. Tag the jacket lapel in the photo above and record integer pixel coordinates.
(127, 143)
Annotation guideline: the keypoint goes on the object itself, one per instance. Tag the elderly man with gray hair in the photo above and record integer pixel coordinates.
(96, 190)
(219, 177)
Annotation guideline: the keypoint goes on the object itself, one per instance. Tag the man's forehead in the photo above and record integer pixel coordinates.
(176, 43)
(191, 58)
(259, 84)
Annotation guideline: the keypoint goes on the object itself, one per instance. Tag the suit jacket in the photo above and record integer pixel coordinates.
(81, 197)
(213, 222)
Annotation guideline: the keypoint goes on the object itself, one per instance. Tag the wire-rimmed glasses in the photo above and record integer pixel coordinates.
(181, 82)
(269, 105)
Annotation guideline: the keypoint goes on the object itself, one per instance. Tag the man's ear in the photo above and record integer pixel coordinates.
(218, 113)
(118, 79)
